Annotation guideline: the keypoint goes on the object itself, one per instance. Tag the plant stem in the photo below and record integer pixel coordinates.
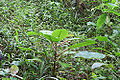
(55, 55)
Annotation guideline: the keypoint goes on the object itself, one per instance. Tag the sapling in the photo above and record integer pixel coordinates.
(57, 36)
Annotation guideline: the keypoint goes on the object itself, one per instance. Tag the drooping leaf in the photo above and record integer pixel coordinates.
(88, 42)
(14, 69)
(90, 55)
(96, 65)
(60, 34)
(101, 20)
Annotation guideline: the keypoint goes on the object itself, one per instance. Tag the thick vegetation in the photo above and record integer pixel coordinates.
(59, 40)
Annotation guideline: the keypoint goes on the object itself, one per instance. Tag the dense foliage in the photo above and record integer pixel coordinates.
(59, 40)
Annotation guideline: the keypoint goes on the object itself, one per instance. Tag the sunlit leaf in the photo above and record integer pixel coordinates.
(46, 32)
(96, 65)
(60, 34)
(90, 55)
(51, 38)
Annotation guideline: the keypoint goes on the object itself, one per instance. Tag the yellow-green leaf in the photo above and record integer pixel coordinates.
(14, 69)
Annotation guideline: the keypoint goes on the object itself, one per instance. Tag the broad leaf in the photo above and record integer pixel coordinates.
(101, 20)
(96, 65)
(88, 42)
(60, 34)
(51, 38)
(90, 55)
(46, 32)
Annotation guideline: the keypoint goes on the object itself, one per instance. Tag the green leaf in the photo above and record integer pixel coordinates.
(25, 49)
(51, 38)
(60, 34)
(96, 65)
(32, 33)
(102, 38)
(105, 0)
(46, 32)
(88, 42)
(90, 55)
(101, 21)
(5, 78)
(117, 54)
(112, 11)
(113, 1)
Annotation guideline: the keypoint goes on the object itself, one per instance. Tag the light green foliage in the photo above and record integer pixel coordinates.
(87, 43)
(5, 78)
(60, 34)
(101, 38)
